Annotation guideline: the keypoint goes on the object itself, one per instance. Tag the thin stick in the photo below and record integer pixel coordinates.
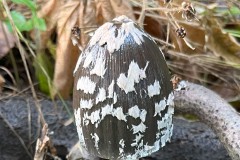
(142, 15)
(29, 125)
(10, 74)
(163, 42)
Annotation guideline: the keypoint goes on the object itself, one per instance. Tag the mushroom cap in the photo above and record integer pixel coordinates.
(123, 97)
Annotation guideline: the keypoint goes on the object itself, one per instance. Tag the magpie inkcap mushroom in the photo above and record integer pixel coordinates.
(123, 97)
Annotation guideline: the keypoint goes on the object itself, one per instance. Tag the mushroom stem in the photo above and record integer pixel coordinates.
(213, 111)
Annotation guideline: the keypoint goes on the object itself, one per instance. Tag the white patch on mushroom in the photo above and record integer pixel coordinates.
(139, 128)
(154, 89)
(106, 110)
(163, 122)
(137, 139)
(95, 116)
(101, 95)
(135, 74)
(121, 148)
(170, 100)
(143, 150)
(143, 115)
(88, 59)
(166, 134)
(96, 140)
(166, 127)
(86, 119)
(86, 104)
(78, 63)
(160, 107)
(134, 111)
(118, 112)
(99, 68)
(117, 35)
(77, 115)
(125, 84)
(114, 97)
(111, 89)
(86, 85)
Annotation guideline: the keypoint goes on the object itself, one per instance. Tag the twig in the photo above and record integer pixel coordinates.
(10, 74)
(164, 9)
(168, 32)
(163, 42)
(142, 14)
(29, 125)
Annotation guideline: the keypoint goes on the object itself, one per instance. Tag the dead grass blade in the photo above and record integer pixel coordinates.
(2, 82)
(10, 75)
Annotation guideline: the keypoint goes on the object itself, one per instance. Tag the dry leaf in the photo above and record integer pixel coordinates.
(7, 40)
(222, 44)
(42, 144)
(122, 7)
(50, 12)
(87, 20)
(87, 15)
(66, 53)
(104, 10)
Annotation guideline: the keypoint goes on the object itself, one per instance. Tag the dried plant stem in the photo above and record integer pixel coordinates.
(22, 53)
(142, 14)
(29, 126)
(215, 112)
(163, 42)
(155, 16)
(10, 75)
(163, 9)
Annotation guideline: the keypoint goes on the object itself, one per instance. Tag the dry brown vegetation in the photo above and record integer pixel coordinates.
(201, 56)
(209, 54)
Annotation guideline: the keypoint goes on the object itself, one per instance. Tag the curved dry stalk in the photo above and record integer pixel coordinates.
(215, 112)
(10, 75)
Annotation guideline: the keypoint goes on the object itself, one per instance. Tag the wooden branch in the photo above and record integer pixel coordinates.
(213, 111)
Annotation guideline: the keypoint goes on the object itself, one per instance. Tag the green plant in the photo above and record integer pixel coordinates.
(23, 24)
